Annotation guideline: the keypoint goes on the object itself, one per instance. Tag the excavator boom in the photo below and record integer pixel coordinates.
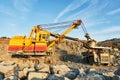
(58, 39)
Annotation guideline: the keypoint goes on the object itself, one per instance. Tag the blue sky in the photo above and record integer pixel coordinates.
(100, 17)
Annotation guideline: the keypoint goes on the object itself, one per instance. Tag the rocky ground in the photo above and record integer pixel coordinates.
(68, 65)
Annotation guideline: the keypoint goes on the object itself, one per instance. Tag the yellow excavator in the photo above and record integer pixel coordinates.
(39, 42)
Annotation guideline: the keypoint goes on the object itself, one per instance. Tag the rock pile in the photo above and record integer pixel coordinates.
(68, 67)
(72, 47)
(55, 72)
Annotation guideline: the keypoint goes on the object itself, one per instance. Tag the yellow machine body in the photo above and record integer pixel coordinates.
(36, 43)
(104, 58)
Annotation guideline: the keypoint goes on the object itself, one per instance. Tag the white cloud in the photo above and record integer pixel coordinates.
(87, 14)
(90, 15)
(90, 11)
(6, 10)
(106, 33)
(95, 23)
(23, 5)
(109, 30)
(114, 12)
(74, 5)
(112, 29)
(12, 24)
(103, 37)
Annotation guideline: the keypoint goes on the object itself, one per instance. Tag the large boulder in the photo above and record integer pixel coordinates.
(2, 76)
(60, 69)
(96, 77)
(7, 63)
(116, 77)
(42, 68)
(72, 74)
(37, 76)
(7, 70)
(91, 71)
(55, 77)
(82, 72)
(117, 72)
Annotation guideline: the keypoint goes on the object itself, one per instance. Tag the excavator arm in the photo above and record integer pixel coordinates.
(89, 43)
(34, 31)
(60, 37)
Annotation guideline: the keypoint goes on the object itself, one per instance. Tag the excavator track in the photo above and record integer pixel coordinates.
(36, 59)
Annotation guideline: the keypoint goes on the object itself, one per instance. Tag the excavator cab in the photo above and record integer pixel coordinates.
(42, 36)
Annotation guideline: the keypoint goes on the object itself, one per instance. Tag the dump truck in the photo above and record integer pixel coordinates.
(97, 55)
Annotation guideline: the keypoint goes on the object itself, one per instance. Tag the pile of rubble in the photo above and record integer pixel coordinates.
(72, 47)
(30, 71)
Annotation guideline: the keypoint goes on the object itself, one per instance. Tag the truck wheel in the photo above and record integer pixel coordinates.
(91, 60)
